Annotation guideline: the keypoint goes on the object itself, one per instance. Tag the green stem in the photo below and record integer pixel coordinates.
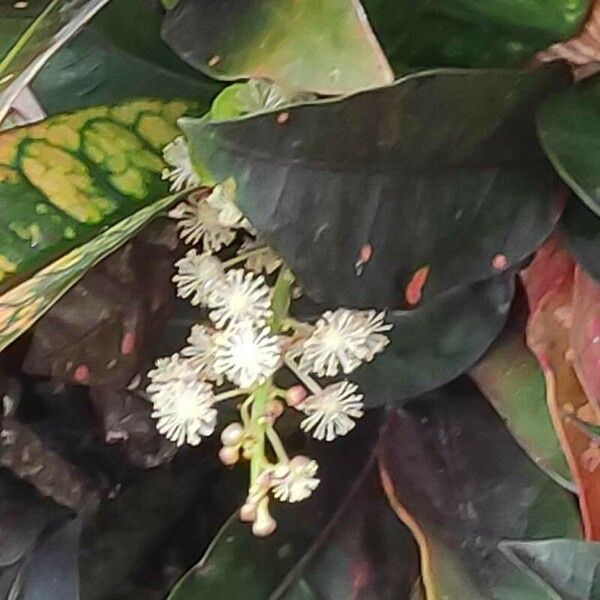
(304, 329)
(280, 303)
(259, 405)
(277, 446)
(305, 378)
(245, 414)
(243, 256)
(230, 394)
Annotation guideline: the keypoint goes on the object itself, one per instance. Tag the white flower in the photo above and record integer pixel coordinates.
(198, 220)
(187, 414)
(241, 297)
(197, 275)
(182, 175)
(295, 481)
(246, 356)
(331, 411)
(266, 260)
(169, 369)
(200, 352)
(222, 199)
(344, 338)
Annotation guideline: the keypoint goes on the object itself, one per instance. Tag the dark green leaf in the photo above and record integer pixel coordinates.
(266, 568)
(89, 72)
(370, 554)
(448, 177)
(569, 128)
(14, 21)
(52, 571)
(511, 379)
(582, 230)
(114, 24)
(50, 31)
(570, 567)
(435, 343)
(451, 468)
(323, 46)
(471, 33)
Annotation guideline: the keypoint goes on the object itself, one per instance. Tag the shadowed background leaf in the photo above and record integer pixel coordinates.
(511, 379)
(570, 567)
(455, 476)
(469, 33)
(569, 129)
(51, 30)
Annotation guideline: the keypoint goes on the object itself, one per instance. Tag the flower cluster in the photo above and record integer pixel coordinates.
(244, 342)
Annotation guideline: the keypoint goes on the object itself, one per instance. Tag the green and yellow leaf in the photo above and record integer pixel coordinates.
(64, 180)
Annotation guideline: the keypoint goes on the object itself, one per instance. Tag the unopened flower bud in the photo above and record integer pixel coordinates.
(264, 523)
(274, 410)
(232, 434)
(248, 512)
(229, 455)
(296, 395)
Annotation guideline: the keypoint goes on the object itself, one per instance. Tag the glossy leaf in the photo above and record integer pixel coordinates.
(24, 304)
(52, 571)
(327, 187)
(236, 560)
(63, 180)
(570, 567)
(435, 343)
(511, 379)
(548, 336)
(52, 29)
(582, 231)
(569, 128)
(113, 24)
(469, 33)
(89, 72)
(238, 39)
(454, 474)
(584, 335)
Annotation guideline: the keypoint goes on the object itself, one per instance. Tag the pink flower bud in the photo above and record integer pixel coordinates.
(232, 434)
(248, 513)
(229, 455)
(296, 395)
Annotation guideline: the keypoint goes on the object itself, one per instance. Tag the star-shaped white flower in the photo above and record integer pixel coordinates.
(169, 369)
(200, 352)
(344, 338)
(241, 297)
(266, 260)
(332, 411)
(198, 220)
(182, 174)
(295, 481)
(246, 356)
(198, 275)
(185, 412)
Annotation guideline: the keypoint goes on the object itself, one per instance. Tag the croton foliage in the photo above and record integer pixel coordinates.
(360, 239)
